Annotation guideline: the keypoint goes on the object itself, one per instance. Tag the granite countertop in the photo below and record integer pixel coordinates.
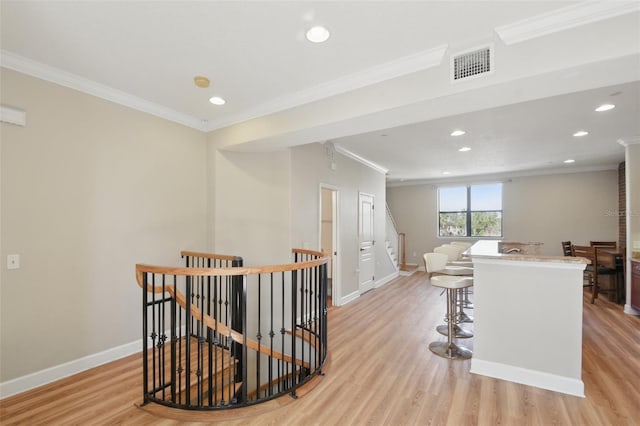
(488, 249)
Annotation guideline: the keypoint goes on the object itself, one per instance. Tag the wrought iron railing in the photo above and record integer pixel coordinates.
(219, 335)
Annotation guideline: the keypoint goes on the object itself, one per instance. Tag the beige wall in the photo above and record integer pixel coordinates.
(632, 166)
(310, 167)
(252, 215)
(578, 207)
(89, 188)
(633, 187)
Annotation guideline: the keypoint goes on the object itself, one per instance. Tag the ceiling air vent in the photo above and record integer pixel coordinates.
(472, 63)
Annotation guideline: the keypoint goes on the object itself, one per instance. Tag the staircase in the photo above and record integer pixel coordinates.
(202, 388)
(222, 336)
(391, 251)
(394, 242)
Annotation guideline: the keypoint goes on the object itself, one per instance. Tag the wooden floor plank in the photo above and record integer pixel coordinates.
(381, 372)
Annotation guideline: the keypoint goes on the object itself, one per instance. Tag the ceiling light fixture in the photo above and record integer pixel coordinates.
(580, 133)
(217, 100)
(318, 34)
(569, 161)
(446, 173)
(605, 107)
(464, 149)
(458, 133)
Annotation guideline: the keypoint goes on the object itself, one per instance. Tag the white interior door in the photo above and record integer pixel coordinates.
(366, 264)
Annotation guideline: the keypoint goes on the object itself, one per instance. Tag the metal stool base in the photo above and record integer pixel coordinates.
(463, 317)
(458, 331)
(449, 350)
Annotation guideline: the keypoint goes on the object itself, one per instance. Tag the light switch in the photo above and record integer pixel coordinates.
(13, 261)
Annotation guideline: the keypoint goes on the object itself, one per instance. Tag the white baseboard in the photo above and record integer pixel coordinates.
(349, 298)
(379, 283)
(48, 375)
(628, 309)
(528, 377)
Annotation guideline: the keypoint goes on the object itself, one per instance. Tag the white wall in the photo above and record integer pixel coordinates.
(578, 207)
(310, 166)
(89, 189)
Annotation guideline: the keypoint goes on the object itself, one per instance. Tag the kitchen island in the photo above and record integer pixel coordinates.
(528, 318)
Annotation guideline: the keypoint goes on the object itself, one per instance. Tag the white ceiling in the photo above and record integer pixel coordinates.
(384, 71)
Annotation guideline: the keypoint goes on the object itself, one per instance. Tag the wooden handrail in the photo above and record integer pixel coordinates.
(210, 322)
(184, 253)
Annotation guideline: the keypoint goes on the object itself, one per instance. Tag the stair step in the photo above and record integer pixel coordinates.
(223, 367)
(224, 393)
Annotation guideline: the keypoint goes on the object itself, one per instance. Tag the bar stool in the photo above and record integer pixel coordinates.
(465, 245)
(436, 263)
(454, 253)
(451, 283)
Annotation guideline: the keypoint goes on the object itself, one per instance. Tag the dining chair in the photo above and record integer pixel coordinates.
(608, 244)
(612, 260)
(566, 248)
(593, 270)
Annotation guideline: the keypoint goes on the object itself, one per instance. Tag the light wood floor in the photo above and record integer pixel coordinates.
(382, 372)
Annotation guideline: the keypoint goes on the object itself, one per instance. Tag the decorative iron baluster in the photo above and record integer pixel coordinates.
(271, 334)
(259, 333)
(174, 340)
(216, 299)
(294, 314)
(282, 372)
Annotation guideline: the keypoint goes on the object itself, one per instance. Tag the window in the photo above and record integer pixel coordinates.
(470, 211)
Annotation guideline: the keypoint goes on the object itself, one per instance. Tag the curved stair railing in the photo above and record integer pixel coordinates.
(218, 335)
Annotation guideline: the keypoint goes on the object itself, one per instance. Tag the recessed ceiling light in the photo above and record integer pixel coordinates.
(605, 107)
(318, 34)
(580, 133)
(464, 149)
(458, 133)
(217, 100)
(569, 161)
(446, 173)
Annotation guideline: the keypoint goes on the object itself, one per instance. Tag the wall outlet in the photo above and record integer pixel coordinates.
(13, 261)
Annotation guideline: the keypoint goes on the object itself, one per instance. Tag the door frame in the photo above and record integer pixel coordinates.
(336, 283)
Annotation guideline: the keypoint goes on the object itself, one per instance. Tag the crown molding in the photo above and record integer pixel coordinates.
(501, 177)
(563, 19)
(386, 71)
(629, 141)
(362, 160)
(30, 67)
